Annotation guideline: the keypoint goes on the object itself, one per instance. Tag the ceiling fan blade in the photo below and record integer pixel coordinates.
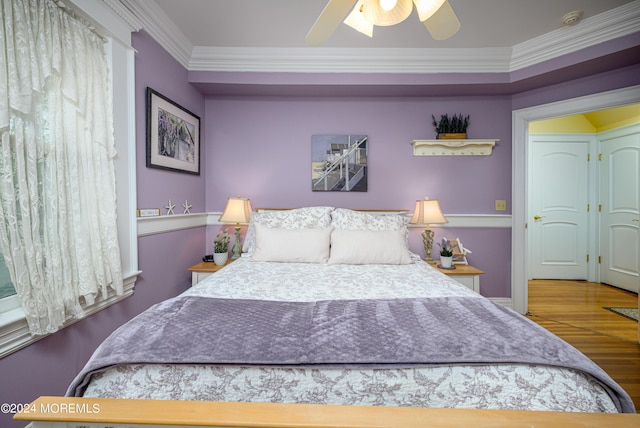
(444, 23)
(331, 17)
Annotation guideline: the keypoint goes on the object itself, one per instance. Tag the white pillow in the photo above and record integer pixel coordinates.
(291, 245)
(361, 247)
(298, 218)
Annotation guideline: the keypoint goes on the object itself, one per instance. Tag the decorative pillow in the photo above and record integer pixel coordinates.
(291, 245)
(299, 218)
(362, 247)
(342, 218)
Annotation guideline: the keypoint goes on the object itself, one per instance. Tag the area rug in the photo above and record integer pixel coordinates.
(626, 312)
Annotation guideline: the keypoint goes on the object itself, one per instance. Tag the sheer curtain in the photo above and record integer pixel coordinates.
(58, 231)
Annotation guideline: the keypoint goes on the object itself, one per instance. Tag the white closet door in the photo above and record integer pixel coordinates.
(558, 207)
(620, 199)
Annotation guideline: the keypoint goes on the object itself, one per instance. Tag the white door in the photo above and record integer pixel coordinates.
(619, 211)
(558, 197)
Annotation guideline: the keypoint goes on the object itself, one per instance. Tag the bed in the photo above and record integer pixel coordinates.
(328, 306)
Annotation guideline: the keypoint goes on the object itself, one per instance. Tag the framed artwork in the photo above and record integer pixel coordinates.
(339, 163)
(173, 135)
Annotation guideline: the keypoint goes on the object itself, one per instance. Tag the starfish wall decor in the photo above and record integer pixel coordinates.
(170, 208)
(187, 207)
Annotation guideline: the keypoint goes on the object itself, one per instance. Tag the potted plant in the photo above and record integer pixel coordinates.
(221, 247)
(446, 254)
(451, 128)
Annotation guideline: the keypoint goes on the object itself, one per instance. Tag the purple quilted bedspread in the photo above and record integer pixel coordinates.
(352, 333)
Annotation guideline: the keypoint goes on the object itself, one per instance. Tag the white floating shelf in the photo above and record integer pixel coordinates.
(452, 147)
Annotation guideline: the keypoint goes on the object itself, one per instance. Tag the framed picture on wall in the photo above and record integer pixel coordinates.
(173, 135)
(339, 163)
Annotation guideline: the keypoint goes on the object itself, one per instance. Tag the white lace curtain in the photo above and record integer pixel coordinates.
(58, 231)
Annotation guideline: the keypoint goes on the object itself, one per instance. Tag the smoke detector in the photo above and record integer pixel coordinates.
(572, 18)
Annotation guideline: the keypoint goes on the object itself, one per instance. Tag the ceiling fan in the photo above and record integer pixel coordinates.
(362, 15)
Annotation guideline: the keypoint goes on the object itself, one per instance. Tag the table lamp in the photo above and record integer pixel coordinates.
(428, 212)
(238, 211)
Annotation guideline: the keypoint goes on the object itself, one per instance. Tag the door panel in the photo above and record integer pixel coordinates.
(558, 197)
(619, 185)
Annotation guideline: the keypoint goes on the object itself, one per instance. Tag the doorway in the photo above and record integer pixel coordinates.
(520, 167)
(565, 184)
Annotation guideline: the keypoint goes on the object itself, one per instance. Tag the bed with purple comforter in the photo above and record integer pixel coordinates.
(329, 306)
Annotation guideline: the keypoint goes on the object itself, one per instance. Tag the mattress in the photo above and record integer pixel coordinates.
(507, 385)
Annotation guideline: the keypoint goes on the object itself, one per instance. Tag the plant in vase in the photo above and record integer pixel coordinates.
(454, 127)
(221, 247)
(446, 254)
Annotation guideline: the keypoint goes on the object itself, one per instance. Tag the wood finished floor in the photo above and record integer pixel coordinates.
(574, 311)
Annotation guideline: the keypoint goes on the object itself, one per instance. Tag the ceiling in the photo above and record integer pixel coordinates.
(257, 47)
(284, 23)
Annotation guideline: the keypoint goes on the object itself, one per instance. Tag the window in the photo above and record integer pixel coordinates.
(14, 333)
(6, 286)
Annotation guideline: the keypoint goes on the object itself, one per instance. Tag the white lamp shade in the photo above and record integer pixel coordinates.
(238, 210)
(357, 21)
(428, 212)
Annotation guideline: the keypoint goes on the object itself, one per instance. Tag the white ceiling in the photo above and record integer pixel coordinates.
(284, 23)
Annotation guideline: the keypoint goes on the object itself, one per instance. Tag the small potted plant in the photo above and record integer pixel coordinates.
(221, 247)
(446, 254)
(451, 128)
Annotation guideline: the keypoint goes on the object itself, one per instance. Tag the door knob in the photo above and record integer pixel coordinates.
(537, 217)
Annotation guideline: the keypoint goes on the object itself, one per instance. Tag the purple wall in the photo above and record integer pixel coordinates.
(156, 69)
(261, 149)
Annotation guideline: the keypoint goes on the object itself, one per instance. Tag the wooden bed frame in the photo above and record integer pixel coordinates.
(67, 412)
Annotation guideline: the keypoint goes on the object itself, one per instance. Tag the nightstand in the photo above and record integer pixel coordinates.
(203, 269)
(465, 275)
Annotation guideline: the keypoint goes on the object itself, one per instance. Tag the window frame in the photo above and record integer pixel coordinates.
(14, 331)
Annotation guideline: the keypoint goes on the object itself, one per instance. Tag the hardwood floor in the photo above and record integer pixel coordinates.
(574, 310)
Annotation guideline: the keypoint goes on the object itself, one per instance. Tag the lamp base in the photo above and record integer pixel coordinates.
(427, 240)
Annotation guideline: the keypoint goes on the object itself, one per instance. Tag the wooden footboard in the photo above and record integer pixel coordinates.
(65, 412)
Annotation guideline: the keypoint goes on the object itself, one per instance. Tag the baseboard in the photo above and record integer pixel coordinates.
(503, 301)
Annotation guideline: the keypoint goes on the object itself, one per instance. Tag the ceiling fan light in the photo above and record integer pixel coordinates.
(388, 4)
(426, 8)
(444, 23)
(375, 14)
(357, 21)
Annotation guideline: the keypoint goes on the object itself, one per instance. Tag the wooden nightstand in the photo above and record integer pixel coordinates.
(465, 275)
(203, 269)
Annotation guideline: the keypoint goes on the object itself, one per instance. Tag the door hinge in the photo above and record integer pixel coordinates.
(588, 157)
(599, 208)
(599, 259)
(588, 207)
(587, 258)
(599, 156)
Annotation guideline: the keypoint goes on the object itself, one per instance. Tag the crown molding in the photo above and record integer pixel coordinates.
(606, 26)
(350, 60)
(159, 26)
(609, 25)
(124, 13)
